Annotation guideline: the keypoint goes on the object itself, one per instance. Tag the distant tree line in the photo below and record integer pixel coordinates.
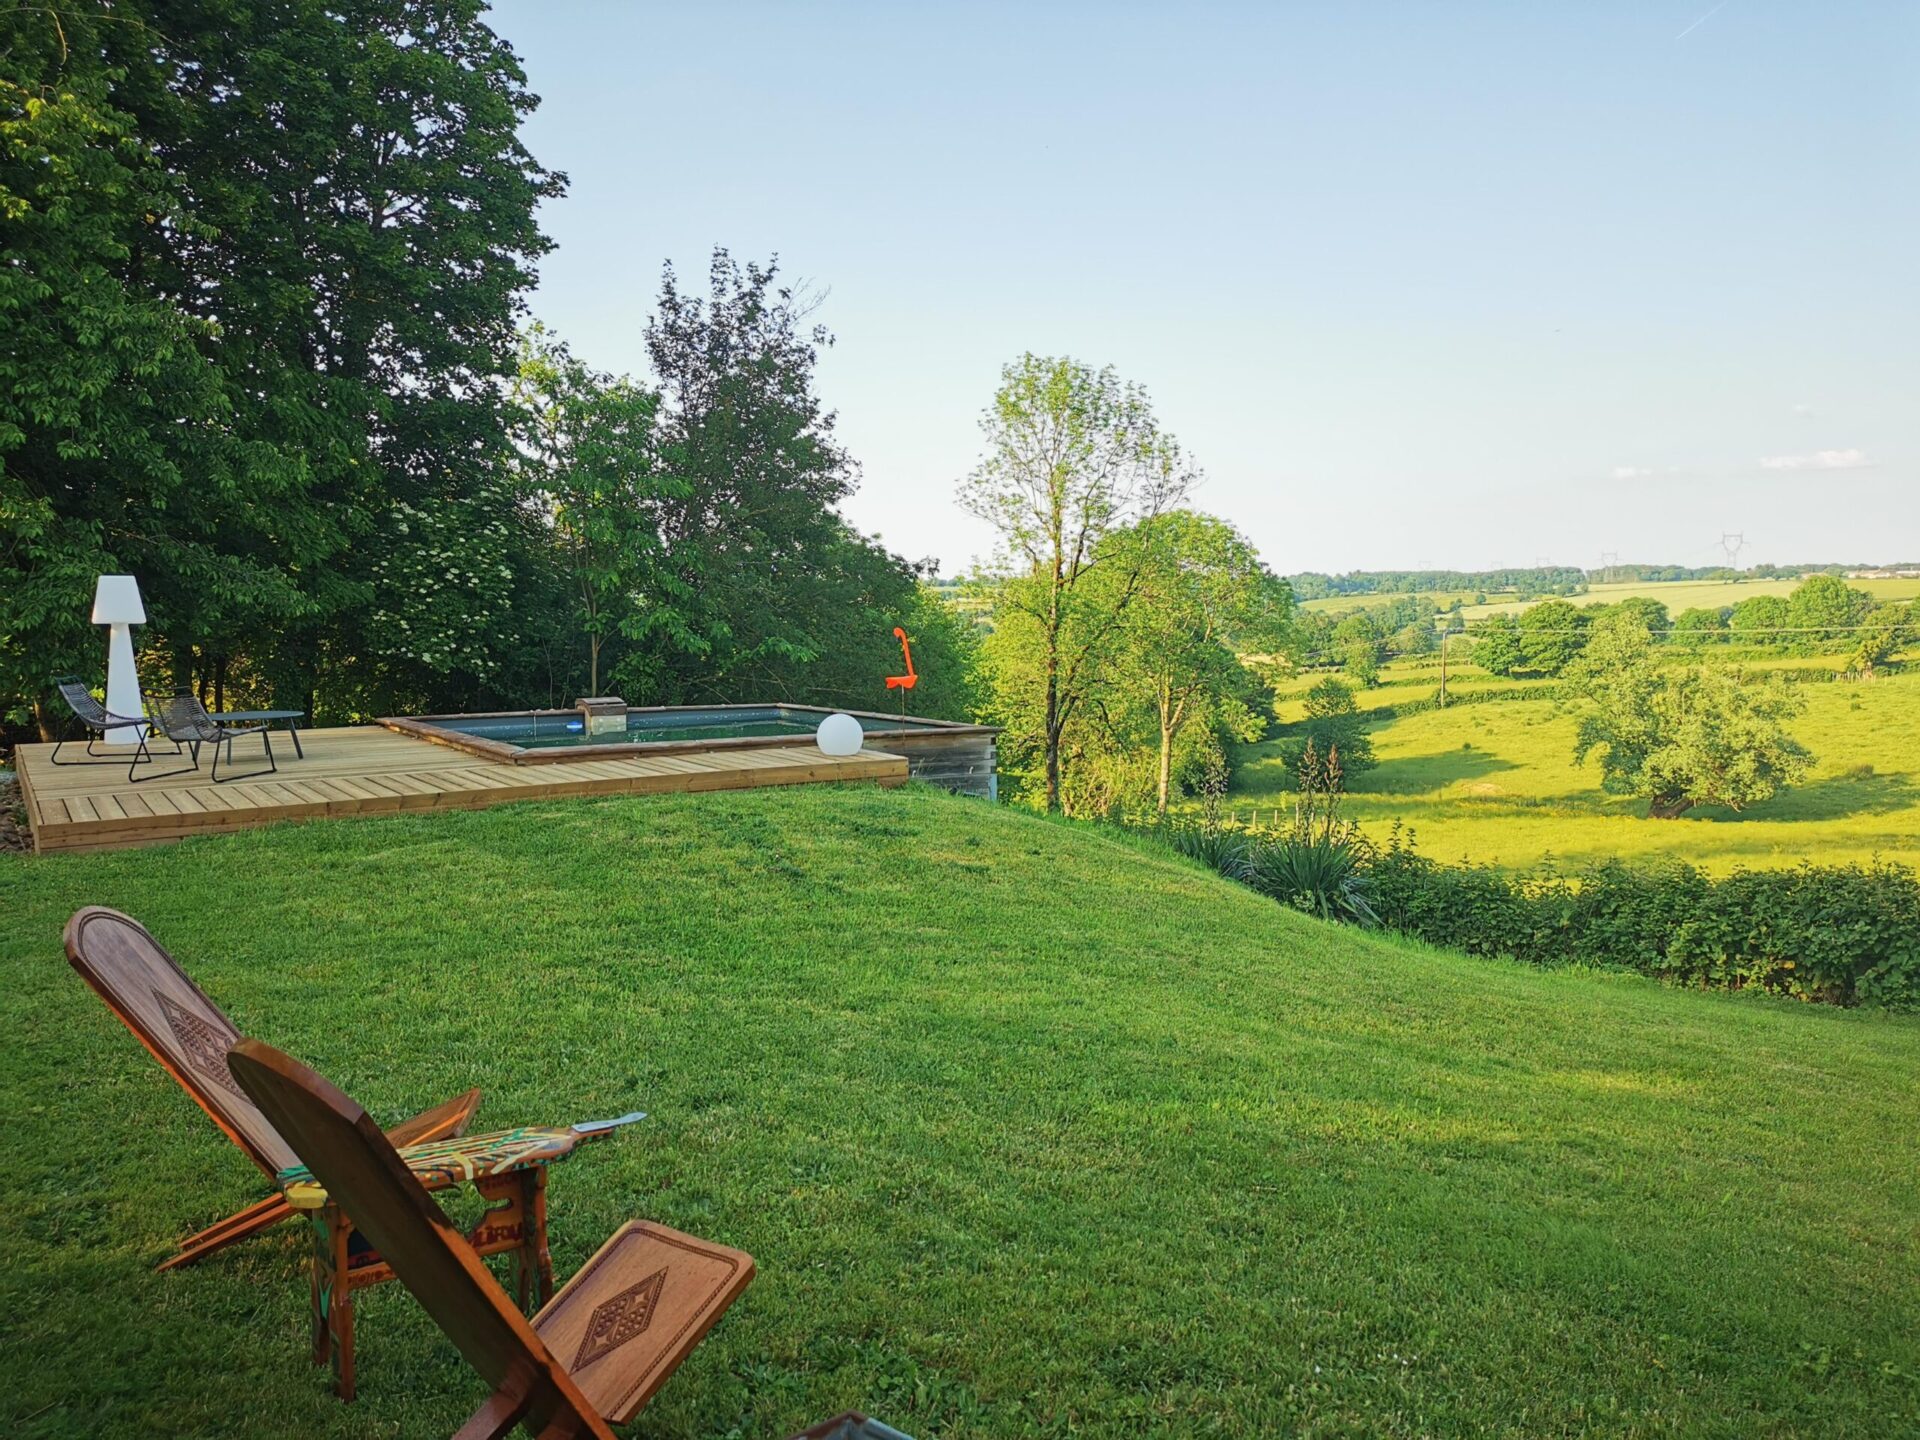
(1668, 574)
(265, 347)
(1823, 615)
(1529, 583)
(1523, 583)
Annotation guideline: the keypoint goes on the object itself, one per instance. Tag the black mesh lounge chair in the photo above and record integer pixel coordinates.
(98, 721)
(185, 721)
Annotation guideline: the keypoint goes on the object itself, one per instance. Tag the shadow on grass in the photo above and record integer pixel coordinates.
(1838, 797)
(1422, 774)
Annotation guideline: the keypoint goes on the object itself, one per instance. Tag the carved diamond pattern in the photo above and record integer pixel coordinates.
(205, 1047)
(614, 1322)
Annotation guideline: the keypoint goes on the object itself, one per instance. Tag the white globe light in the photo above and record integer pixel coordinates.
(839, 735)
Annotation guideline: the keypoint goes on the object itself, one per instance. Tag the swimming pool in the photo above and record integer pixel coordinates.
(958, 756)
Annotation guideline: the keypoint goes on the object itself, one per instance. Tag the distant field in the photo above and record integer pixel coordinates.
(1678, 595)
(1495, 782)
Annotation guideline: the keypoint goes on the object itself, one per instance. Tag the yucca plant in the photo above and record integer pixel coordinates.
(1320, 875)
(1318, 866)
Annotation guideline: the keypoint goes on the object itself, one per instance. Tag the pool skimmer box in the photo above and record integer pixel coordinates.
(603, 714)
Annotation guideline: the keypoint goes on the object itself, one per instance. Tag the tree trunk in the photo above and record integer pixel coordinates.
(593, 665)
(1668, 807)
(1166, 766)
(1053, 752)
(1053, 726)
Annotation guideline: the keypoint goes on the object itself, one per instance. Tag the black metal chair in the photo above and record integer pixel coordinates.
(98, 721)
(185, 721)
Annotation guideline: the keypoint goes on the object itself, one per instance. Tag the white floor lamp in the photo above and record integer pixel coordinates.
(116, 603)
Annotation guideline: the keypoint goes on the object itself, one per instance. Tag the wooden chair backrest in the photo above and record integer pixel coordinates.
(167, 1012)
(367, 1178)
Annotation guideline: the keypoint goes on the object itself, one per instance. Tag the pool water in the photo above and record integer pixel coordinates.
(575, 733)
(547, 732)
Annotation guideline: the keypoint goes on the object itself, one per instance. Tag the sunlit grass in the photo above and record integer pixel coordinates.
(1034, 1130)
(1495, 782)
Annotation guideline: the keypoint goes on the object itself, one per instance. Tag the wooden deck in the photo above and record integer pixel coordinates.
(365, 770)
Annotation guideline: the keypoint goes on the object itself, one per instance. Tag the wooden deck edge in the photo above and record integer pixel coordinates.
(129, 832)
(31, 805)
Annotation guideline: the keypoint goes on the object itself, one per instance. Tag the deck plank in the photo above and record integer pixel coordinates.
(367, 769)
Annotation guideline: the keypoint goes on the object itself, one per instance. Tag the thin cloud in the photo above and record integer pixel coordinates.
(1818, 460)
(1702, 20)
(1803, 410)
(1631, 472)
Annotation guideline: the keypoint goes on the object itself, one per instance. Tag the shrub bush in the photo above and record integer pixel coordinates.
(1213, 846)
(1842, 934)
(1323, 875)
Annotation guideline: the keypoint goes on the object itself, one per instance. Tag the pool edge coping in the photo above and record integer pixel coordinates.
(423, 727)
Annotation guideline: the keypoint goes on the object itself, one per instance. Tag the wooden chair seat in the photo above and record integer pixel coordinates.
(462, 1160)
(633, 1312)
(594, 1354)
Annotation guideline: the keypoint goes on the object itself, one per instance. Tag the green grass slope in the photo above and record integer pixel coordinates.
(1033, 1132)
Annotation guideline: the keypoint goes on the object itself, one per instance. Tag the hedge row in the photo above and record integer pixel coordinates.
(1842, 934)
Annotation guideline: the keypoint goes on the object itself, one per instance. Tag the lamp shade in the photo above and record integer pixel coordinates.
(116, 601)
(838, 735)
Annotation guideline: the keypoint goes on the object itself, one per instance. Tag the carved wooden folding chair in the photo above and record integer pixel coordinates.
(187, 1033)
(191, 1038)
(592, 1357)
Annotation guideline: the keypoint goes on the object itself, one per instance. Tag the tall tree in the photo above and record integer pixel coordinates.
(119, 447)
(588, 467)
(1204, 597)
(279, 322)
(1497, 647)
(1333, 725)
(1551, 634)
(370, 239)
(1761, 619)
(1678, 739)
(1699, 625)
(1883, 630)
(778, 586)
(1072, 455)
(1821, 609)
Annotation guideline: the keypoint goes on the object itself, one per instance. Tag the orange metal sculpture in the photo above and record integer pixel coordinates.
(908, 680)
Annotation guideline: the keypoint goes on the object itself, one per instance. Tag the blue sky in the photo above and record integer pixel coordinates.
(1435, 284)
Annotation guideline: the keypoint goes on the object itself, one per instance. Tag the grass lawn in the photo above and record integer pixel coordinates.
(1495, 782)
(1032, 1131)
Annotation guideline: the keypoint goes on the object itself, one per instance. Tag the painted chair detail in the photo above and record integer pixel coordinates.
(592, 1357)
(192, 1039)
